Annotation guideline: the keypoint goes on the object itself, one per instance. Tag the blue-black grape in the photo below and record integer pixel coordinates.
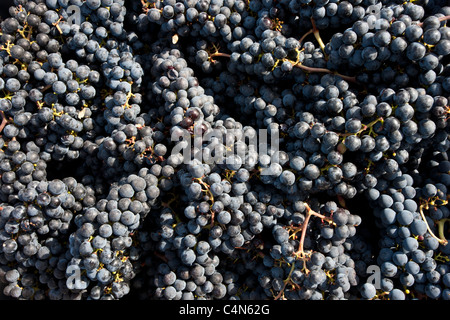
(224, 150)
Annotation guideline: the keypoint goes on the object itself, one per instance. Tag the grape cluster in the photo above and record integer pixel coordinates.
(413, 220)
(395, 47)
(224, 149)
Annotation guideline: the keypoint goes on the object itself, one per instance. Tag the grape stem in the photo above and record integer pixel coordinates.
(323, 70)
(218, 54)
(441, 228)
(208, 192)
(4, 121)
(364, 128)
(161, 256)
(8, 47)
(295, 64)
(300, 253)
(304, 36)
(444, 18)
(288, 279)
(56, 24)
(46, 88)
(317, 35)
(442, 239)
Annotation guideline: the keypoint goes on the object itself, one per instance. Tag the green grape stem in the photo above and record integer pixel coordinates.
(364, 128)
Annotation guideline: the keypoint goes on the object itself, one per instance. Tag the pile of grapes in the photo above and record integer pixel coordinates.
(225, 149)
